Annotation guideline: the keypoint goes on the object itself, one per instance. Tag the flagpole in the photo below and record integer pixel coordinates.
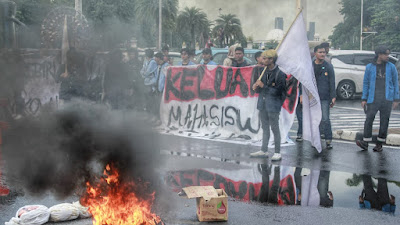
(291, 25)
(279, 45)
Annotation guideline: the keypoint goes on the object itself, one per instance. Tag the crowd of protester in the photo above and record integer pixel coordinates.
(129, 83)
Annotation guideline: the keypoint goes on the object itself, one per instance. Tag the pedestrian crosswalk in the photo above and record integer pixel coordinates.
(348, 118)
(351, 118)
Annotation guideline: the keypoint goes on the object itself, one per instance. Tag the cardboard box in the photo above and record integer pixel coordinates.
(212, 204)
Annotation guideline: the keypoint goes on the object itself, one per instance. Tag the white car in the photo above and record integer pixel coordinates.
(349, 66)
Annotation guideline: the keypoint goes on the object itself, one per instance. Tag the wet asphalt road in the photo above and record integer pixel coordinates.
(179, 154)
(185, 154)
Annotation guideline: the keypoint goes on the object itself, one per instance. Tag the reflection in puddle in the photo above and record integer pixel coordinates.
(282, 185)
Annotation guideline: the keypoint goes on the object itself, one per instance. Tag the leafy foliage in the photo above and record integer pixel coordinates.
(147, 19)
(193, 26)
(232, 30)
(379, 16)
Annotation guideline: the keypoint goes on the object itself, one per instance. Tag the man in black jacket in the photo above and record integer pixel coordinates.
(239, 58)
(272, 89)
(325, 77)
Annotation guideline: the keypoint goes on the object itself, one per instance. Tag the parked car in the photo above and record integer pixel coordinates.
(219, 54)
(174, 57)
(349, 66)
(395, 54)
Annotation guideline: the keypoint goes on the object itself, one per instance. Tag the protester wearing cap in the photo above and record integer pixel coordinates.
(271, 88)
(207, 57)
(380, 93)
(231, 56)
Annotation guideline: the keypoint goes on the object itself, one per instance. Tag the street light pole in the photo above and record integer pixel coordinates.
(361, 26)
(78, 5)
(159, 24)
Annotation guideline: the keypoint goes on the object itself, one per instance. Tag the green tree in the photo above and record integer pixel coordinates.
(193, 25)
(346, 35)
(386, 23)
(113, 22)
(379, 16)
(32, 13)
(147, 16)
(100, 11)
(231, 27)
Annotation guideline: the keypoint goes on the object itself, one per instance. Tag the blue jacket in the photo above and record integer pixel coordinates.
(211, 63)
(392, 83)
(189, 64)
(326, 82)
(161, 77)
(385, 208)
(150, 72)
(273, 93)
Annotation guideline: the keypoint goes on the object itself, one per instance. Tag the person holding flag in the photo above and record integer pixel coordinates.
(294, 58)
(272, 88)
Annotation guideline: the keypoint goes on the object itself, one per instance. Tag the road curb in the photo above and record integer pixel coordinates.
(391, 139)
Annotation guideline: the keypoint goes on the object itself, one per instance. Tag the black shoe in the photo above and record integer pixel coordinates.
(362, 144)
(329, 146)
(378, 147)
(299, 138)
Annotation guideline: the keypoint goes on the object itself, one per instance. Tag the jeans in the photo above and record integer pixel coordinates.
(299, 115)
(325, 126)
(385, 108)
(270, 119)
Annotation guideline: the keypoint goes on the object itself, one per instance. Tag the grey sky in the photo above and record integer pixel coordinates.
(258, 16)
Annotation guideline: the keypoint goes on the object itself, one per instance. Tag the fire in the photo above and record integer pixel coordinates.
(114, 202)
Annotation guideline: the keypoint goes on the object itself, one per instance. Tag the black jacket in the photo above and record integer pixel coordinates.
(273, 94)
(326, 82)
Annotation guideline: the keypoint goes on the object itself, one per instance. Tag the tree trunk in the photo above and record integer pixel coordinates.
(193, 44)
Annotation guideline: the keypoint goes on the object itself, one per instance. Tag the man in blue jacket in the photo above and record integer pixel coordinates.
(185, 58)
(325, 77)
(380, 93)
(207, 57)
(272, 89)
(379, 199)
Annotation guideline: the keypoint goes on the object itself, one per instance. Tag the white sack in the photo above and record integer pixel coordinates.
(83, 211)
(63, 212)
(30, 215)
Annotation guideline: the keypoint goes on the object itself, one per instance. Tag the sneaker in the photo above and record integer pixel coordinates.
(362, 144)
(299, 138)
(276, 157)
(378, 147)
(329, 145)
(259, 154)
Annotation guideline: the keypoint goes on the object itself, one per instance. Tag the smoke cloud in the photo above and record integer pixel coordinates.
(60, 151)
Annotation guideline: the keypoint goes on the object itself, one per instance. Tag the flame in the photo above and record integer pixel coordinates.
(113, 202)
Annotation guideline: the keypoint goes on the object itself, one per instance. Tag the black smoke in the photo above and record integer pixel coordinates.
(60, 151)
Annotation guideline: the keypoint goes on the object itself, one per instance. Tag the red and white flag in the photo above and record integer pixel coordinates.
(294, 58)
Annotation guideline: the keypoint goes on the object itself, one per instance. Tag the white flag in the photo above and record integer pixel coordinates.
(294, 58)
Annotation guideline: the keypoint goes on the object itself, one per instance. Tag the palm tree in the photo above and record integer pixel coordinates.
(231, 27)
(146, 12)
(192, 24)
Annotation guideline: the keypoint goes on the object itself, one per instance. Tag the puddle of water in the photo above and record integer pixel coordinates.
(282, 185)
